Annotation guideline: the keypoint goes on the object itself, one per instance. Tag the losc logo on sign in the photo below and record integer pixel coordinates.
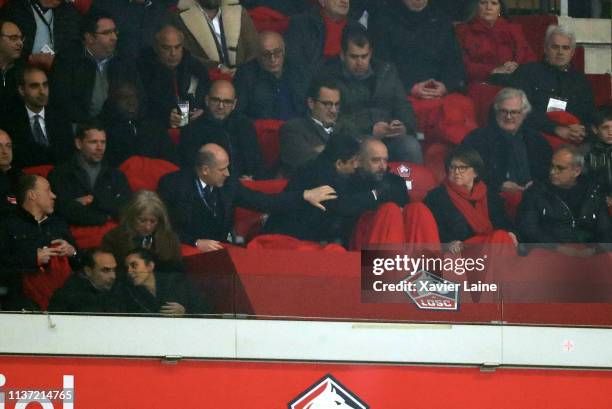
(430, 292)
(327, 393)
(403, 171)
(21, 398)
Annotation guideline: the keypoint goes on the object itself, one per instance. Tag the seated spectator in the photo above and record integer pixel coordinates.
(372, 96)
(420, 40)
(552, 85)
(514, 155)
(128, 129)
(172, 74)
(93, 290)
(41, 135)
(201, 199)
(9, 176)
(465, 210)
(268, 87)
(220, 35)
(11, 47)
(221, 125)
(80, 78)
(89, 191)
(302, 139)
(314, 37)
(568, 208)
(599, 151)
(150, 292)
(49, 26)
(144, 223)
(35, 246)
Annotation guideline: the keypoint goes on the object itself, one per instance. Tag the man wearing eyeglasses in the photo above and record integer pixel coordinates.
(80, 79)
(514, 155)
(222, 126)
(568, 208)
(11, 45)
(268, 87)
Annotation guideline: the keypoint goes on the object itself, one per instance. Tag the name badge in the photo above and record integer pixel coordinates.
(555, 104)
(47, 50)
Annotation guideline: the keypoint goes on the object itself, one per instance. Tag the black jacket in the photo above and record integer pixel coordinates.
(549, 214)
(236, 134)
(378, 98)
(9, 96)
(160, 90)
(452, 225)
(599, 164)
(8, 190)
(421, 44)
(193, 220)
(70, 181)
(491, 144)
(263, 96)
(66, 25)
(541, 81)
(26, 152)
(79, 295)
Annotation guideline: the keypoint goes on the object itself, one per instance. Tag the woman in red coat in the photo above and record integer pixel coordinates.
(490, 45)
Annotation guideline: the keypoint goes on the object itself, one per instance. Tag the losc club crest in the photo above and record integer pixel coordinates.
(430, 292)
(403, 171)
(327, 393)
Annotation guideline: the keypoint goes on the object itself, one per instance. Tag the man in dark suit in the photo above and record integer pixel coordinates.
(11, 46)
(40, 134)
(201, 200)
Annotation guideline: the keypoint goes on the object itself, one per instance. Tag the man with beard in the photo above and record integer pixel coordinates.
(219, 35)
(41, 135)
(222, 126)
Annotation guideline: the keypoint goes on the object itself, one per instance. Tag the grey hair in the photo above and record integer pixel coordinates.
(576, 152)
(562, 31)
(508, 93)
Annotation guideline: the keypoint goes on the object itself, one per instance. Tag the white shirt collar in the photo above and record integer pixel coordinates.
(32, 114)
(329, 130)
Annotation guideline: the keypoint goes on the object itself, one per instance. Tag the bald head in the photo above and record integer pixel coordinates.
(169, 46)
(6, 151)
(212, 165)
(373, 159)
(221, 99)
(272, 52)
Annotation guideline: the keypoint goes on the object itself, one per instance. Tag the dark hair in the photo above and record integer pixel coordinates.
(341, 146)
(89, 22)
(88, 256)
(25, 70)
(602, 114)
(144, 254)
(86, 126)
(4, 21)
(469, 156)
(354, 33)
(473, 9)
(321, 82)
(25, 184)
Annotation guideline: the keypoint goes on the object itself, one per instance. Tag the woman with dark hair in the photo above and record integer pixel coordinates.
(144, 223)
(464, 209)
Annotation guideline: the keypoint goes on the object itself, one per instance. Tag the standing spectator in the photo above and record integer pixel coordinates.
(220, 35)
(9, 176)
(89, 191)
(41, 135)
(11, 46)
(269, 87)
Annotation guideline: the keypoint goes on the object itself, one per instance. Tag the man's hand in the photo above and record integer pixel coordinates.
(43, 60)
(205, 245)
(43, 255)
(226, 70)
(455, 247)
(195, 114)
(319, 194)
(246, 177)
(609, 201)
(571, 133)
(509, 186)
(175, 118)
(63, 248)
(396, 128)
(380, 129)
(507, 68)
(85, 200)
(172, 309)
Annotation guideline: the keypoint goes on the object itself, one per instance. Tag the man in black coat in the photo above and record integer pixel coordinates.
(41, 135)
(9, 176)
(201, 200)
(222, 126)
(268, 87)
(89, 191)
(11, 46)
(514, 155)
(80, 78)
(552, 85)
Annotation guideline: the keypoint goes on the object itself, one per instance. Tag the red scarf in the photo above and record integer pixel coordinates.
(333, 36)
(472, 205)
(40, 286)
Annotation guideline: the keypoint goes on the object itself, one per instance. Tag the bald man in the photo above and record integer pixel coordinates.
(201, 199)
(269, 87)
(233, 131)
(170, 75)
(9, 175)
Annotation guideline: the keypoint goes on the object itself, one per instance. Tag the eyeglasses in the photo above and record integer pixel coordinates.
(459, 168)
(14, 37)
(276, 53)
(221, 102)
(329, 104)
(108, 32)
(507, 112)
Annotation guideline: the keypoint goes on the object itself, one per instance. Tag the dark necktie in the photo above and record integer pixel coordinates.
(210, 196)
(39, 135)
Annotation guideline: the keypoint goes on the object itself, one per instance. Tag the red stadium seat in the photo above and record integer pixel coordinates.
(534, 28)
(419, 179)
(602, 88)
(266, 19)
(83, 6)
(284, 242)
(268, 136)
(560, 118)
(87, 237)
(144, 173)
(434, 157)
(248, 222)
(40, 170)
